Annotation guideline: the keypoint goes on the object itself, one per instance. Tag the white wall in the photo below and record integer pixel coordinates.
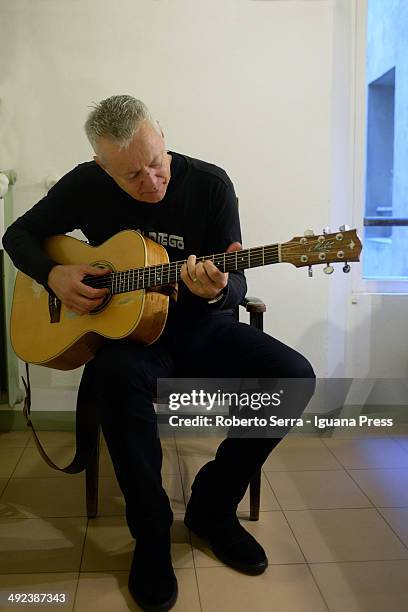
(245, 84)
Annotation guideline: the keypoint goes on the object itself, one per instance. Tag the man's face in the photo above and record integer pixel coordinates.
(143, 169)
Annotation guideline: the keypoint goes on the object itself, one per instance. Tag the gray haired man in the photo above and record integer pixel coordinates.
(189, 206)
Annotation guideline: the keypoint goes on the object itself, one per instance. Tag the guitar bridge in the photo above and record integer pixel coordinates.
(54, 307)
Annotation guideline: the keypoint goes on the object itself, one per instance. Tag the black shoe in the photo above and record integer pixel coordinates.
(229, 541)
(152, 582)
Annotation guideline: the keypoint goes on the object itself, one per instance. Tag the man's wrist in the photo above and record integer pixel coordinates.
(218, 297)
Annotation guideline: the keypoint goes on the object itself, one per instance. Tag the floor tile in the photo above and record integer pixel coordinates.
(402, 440)
(397, 518)
(105, 592)
(41, 545)
(109, 545)
(198, 445)
(32, 465)
(302, 434)
(105, 464)
(8, 460)
(170, 460)
(102, 440)
(344, 535)
(108, 591)
(190, 462)
(181, 548)
(166, 441)
(17, 439)
(194, 452)
(54, 438)
(111, 500)
(316, 489)
(358, 431)
(41, 497)
(174, 489)
(373, 586)
(387, 487)
(301, 453)
(400, 430)
(268, 499)
(271, 531)
(62, 584)
(3, 482)
(371, 453)
(287, 588)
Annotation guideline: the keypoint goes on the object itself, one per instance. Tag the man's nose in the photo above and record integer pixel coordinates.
(149, 178)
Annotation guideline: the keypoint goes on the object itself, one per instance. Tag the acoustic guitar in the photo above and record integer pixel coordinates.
(45, 332)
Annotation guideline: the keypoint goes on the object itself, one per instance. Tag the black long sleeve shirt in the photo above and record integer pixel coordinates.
(198, 215)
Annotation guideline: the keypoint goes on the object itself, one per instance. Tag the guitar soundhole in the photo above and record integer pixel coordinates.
(108, 297)
(102, 306)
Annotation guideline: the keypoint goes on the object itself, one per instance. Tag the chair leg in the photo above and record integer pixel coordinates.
(256, 320)
(92, 478)
(255, 495)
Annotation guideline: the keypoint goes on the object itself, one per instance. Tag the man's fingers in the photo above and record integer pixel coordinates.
(185, 277)
(234, 246)
(88, 291)
(191, 268)
(214, 274)
(203, 278)
(201, 273)
(83, 305)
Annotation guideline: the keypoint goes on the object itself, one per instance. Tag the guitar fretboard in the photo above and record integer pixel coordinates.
(164, 274)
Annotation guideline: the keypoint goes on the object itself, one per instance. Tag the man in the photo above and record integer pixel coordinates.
(190, 207)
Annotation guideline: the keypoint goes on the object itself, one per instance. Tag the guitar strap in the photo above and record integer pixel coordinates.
(87, 428)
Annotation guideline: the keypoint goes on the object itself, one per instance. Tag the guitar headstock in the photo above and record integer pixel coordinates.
(326, 248)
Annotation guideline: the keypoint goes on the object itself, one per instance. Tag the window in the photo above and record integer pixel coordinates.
(386, 202)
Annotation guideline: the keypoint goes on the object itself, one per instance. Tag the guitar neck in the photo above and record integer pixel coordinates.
(164, 274)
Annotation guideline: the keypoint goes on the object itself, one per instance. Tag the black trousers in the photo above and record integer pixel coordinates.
(124, 376)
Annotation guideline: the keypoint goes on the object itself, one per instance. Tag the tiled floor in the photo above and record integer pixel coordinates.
(334, 523)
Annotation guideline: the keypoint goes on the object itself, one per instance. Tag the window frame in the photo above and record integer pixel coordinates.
(360, 284)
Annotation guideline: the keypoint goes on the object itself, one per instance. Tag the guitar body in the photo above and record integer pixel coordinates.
(73, 339)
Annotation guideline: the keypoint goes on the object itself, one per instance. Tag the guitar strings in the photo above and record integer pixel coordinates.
(255, 256)
(172, 269)
(140, 278)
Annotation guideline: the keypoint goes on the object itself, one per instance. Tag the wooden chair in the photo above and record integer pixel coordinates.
(88, 432)
(256, 308)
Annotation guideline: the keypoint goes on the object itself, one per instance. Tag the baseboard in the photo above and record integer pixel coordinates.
(43, 420)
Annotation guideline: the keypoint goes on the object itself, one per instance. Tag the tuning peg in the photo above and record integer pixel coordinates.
(344, 228)
(328, 269)
(308, 232)
(346, 268)
(326, 230)
(310, 271)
